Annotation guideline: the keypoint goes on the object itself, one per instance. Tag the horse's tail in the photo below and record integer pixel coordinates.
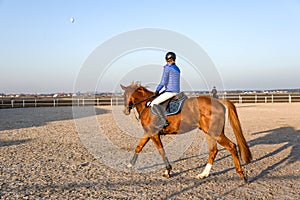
(236, 126)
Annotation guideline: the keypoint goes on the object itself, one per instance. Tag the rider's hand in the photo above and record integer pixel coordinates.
(156, 93)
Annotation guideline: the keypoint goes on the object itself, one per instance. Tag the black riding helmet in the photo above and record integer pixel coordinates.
(170, 55)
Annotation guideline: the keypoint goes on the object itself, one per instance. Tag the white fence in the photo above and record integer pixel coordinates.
(54, 102)
(112, 101)
(263, 98)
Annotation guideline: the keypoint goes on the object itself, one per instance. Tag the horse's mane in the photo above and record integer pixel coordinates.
(137, 84)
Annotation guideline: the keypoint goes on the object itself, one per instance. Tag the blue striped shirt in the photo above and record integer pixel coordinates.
(170, 79)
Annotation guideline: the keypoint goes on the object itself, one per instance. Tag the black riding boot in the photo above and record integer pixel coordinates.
(161, 122)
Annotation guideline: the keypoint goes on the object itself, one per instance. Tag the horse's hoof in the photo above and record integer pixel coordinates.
(129, 166)
(202, 176)
(199, 177)
(245, 180)
(167, 174)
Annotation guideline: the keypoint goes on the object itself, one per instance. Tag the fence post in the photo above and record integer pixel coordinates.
(35, 102)
(240, 99)
(97, 101)
(78, 102)
(23, 103)
(111, 101)
(255, 98)
(272, 99)
(53, 102)
(82, 102)
(290, 98)
(12, 103)
(266, 100)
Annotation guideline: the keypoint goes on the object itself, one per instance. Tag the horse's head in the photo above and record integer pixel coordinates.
(133, 94)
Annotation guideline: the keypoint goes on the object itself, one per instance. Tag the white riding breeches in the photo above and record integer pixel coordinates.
(163, 97)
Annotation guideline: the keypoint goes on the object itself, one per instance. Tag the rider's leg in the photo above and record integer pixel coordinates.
(162, 122)
(163, 97)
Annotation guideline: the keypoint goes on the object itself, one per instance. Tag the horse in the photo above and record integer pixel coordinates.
(203, 112)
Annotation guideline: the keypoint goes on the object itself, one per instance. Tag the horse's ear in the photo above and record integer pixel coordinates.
(123, 87)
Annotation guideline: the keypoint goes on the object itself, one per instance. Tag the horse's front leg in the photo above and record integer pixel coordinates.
(138, 149)
(157, 142)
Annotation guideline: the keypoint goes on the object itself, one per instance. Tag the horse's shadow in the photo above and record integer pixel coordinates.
(288, 136)
(13, 142)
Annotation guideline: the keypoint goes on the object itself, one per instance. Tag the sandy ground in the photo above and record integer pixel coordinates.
(46, 154)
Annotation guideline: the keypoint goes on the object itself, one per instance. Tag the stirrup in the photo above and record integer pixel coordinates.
(160, 124)
(166, 124)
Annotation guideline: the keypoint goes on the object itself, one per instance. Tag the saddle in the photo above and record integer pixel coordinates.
(173, 105)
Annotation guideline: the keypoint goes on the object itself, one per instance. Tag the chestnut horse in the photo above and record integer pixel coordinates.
(203, 112)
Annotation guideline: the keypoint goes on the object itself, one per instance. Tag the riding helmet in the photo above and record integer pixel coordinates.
(171, 55)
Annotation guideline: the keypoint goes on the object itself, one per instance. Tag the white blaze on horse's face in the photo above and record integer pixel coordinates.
(127, 104)
(127, 100)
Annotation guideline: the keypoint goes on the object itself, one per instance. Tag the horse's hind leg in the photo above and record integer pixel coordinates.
(213, 150)
(138, 149)
(157, 142)
(231, 147)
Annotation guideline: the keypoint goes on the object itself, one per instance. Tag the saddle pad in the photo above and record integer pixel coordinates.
(173, 105)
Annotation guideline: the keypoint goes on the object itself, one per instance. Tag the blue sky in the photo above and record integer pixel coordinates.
(253, 44)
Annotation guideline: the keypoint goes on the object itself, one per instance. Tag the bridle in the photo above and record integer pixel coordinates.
(131, 106)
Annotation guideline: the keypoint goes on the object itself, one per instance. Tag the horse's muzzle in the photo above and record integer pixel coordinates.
(126, 111)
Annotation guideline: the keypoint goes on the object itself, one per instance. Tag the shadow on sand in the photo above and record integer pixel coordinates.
(18, 118)
(288, 136)
(7, 143)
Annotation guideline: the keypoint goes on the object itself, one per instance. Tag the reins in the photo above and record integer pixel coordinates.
(139, 102)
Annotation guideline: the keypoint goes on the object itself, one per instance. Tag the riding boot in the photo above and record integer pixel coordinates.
(161, 122)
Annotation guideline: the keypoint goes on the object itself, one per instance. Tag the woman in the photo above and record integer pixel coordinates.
(170, 82)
